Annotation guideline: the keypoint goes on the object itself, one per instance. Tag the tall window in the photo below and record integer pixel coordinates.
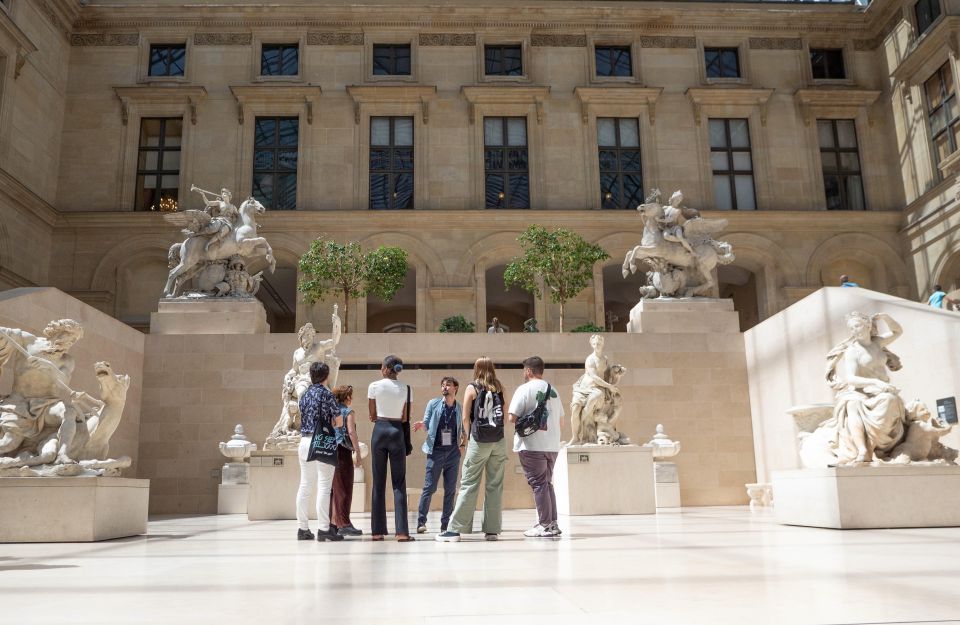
(158, 163)
(168, 59)
(505, 161)
(926, 12)
(503, 60)
(279, 59)
(391, 162)
(621, 178)
(732, 164)
(613, 61)
(391, 59)
(275, 141)
(942, 111)
(827, 63)
(840, 159)
(722, 62)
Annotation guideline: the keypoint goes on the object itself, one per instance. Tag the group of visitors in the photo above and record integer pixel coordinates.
(475, 426)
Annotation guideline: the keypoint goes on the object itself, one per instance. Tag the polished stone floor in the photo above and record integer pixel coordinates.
(699, 565)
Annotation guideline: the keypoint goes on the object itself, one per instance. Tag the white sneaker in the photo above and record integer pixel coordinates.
(553, 530)
(536, 531)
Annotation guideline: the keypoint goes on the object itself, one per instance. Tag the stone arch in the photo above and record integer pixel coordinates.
(425, 261)
(765, 260)
(502, 245)
(887, 270)
(946, 270)
(134, 248)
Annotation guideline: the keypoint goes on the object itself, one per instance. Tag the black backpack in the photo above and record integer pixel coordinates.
(486, 418)
(537, 418)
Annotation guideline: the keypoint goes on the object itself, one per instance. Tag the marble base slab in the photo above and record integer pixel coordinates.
(232, 498)
(209, 315)
(72, 509)
(868, 497)
(667, 481)
(274, 480)
(600, 479)
(683, 316)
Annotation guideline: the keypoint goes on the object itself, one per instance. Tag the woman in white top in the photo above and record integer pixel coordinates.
(389, 402)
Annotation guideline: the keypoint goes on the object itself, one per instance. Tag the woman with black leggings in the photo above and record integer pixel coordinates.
(389, 402)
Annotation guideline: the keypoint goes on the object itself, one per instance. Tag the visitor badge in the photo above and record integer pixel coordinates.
(446, 438)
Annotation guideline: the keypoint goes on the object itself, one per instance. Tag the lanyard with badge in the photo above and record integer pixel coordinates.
(446, 425)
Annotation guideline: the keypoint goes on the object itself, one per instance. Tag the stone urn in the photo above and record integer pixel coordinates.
(238, 448)
(663, 447)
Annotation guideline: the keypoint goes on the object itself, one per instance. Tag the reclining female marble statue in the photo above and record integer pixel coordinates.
(870, 422)
(47, 428)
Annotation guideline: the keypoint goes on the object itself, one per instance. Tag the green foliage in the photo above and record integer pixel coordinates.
(588, 327)
(457, 323)
(346, 270)
(561, 259)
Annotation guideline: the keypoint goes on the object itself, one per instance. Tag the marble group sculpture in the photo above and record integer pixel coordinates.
(47, 428)
(596, 405)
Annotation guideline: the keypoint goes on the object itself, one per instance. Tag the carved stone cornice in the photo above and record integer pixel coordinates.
(668, 42)
(222, 39)
(728, 96)
(155, 93)
(104, 39)
(384, 94)
(833, 102)
(306, 95)
(926, 54)
(618, 95)
(316, 38)
(60, 13)
(24, 45)
(506, 94)
(558, 41)
(12, 277)
(448, 39)
(21, 197)
(775, 43)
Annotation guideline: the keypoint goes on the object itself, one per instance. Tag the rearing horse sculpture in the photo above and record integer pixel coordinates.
(188, 258)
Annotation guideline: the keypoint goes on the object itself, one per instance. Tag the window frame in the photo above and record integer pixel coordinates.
(277, 39)
(731, 174)
(281, 47)
(503, 40)
(921, 31)
(168, 47)
(945, 69)
(160, 150)
(393, 58)
(619, 172)
(503, 46)
(276, 170)
(505, 171)
(839, 50)
(838, 172)
(595, 51)
(164, 38)
(391, 172)
(371, 40)
(721, 50)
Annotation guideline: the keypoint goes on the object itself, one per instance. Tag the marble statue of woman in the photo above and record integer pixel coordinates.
(869, 416)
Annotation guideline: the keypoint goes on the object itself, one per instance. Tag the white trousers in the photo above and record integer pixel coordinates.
(315, 477)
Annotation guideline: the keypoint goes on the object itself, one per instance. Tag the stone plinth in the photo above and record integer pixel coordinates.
(868, 497)
(274, 480)
(678, 316)
(600, 479)
(72, 509)
(209, 315)
(232, 498)
(667, 480)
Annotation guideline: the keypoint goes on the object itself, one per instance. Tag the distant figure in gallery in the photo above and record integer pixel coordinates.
(348, 457)
(938, 297)
(318, 408)
(870, 423)
(389, 404)
(442, 419)
(495, 327)
(486, 454)
(538, 451)
(46, 428)
(845, 281)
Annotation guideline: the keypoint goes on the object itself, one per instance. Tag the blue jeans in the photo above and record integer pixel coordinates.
(444, 460)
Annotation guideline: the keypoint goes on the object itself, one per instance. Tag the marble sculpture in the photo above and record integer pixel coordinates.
(221, 243)
(678, 247)
(868, 423)
(46, 427)
(286, 433)
(596, 405)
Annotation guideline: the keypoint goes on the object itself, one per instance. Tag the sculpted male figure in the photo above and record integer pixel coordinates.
(41, 397)
(224, 216)
(673, 218)
(588, 394)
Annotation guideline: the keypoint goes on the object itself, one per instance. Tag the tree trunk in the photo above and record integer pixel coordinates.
(561, 316)
(346, 312)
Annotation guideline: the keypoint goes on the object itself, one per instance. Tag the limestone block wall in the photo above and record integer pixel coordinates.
(198, 387)
(104, 338)
(786, 359)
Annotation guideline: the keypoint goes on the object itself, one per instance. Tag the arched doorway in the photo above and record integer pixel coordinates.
(512, 307)
(620, 295)
(400, 313)
(740, 285)
(278, 293)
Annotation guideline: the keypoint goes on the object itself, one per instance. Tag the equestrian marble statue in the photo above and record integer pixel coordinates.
(868, 422)
(47, 428)
(679, 249)
(222, 242)
(596, 404)
(286, 432)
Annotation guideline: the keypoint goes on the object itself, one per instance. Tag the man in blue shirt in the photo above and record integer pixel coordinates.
(442, 420)
(846, 281)
(939, 297)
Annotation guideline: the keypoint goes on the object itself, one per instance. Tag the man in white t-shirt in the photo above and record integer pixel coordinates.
(538, 451)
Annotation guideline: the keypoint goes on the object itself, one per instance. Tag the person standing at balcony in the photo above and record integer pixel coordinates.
(442, 420)
(938, 297)
(389, 404)
(495, 327)
(845, 281)
(348, 457)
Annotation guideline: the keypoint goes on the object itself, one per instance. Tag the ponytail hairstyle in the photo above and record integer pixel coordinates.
(486, 375)
(393, 365)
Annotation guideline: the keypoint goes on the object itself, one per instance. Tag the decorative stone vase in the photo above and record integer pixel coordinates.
(238, 448)
(663, 447)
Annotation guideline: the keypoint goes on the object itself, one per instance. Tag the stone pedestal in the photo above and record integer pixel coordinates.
(274, 479)
(234, 488)
(679, 316)
(667, 480)
(868, 497)
(72, 509)
(209, 315)
(599, 479)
